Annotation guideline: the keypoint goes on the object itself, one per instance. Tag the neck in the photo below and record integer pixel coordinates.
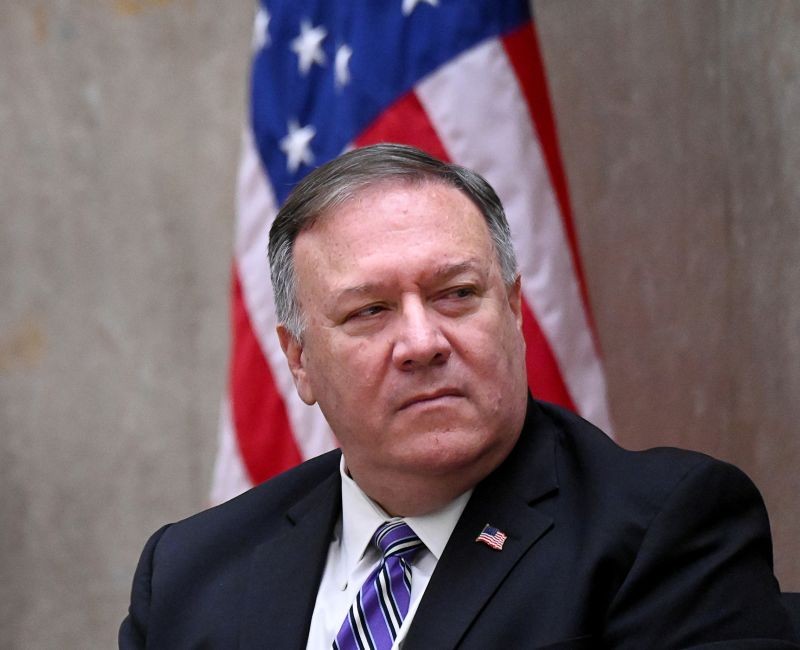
(410, 494)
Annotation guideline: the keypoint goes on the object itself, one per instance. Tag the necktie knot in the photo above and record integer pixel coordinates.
(396, 539)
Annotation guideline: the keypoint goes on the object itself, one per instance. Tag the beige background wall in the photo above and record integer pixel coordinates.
(120, 121)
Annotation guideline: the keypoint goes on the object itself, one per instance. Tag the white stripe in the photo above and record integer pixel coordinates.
(387, 598)
(399, 546)
(256, 209)
(230, 475)
(362, 628)
(486, 126)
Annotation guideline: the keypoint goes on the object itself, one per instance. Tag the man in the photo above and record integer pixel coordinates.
(521, 525)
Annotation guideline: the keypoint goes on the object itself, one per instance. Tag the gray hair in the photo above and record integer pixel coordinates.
(339, 180)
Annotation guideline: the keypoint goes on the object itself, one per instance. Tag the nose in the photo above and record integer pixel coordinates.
(420, 342)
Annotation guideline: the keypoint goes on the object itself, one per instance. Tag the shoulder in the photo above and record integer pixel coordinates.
(585, 454)
(664, 526)
(644, 495)
(195, 572)
(243, 519)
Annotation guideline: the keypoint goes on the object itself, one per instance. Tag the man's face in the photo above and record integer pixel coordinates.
(412, 347)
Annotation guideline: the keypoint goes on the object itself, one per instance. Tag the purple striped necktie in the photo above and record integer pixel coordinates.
(382, 603)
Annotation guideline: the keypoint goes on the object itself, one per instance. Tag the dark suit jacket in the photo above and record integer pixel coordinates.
(605, 548)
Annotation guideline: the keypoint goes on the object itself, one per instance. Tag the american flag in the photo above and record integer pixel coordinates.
(493, 537)
(461, 79)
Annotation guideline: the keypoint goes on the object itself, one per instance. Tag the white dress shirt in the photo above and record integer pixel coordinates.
(351, 558)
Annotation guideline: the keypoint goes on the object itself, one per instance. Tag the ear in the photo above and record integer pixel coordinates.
(295, 356)
(515, 300)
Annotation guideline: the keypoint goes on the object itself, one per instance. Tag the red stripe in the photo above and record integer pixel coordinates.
(523, 52)
(406, 121)
(259, 415)
(544, 375)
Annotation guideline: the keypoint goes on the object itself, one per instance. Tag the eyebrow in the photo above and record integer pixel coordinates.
(440, 273)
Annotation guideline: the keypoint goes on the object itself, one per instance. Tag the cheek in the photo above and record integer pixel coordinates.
(495, 342)
(496, 355)
(347, 368)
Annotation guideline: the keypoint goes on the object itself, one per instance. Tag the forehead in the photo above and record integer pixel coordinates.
(393, 227)
(396, 205)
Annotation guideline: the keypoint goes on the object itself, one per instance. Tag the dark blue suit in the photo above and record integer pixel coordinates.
(605, 548)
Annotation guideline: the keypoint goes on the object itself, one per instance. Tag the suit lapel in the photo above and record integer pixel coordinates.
(286, 571)
(468, 573)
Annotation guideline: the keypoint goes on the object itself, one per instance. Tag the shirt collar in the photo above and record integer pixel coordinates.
(361, 516)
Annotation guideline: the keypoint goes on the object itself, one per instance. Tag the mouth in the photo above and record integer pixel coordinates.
(432, 397)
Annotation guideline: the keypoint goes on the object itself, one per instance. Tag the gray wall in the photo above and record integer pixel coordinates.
(120, 125)
(120, 128)
(680, 130)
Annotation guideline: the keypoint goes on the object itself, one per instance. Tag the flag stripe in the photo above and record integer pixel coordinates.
(519, 46)
(544, 376)
(499, 153)
(230, 475)
(405, 121)
(256, 404)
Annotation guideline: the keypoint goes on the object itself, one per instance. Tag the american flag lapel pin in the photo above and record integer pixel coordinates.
(492, 537)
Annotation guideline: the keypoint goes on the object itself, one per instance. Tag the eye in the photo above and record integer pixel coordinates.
(369, 311)
(458, 300)
(459, 293)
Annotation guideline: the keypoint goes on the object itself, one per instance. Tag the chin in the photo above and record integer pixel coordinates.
(450, 451)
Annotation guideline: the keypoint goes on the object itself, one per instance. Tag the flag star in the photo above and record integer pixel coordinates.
(308, 46)
(341, 65)
(261, 29)
(296, 145)
(410, 5)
